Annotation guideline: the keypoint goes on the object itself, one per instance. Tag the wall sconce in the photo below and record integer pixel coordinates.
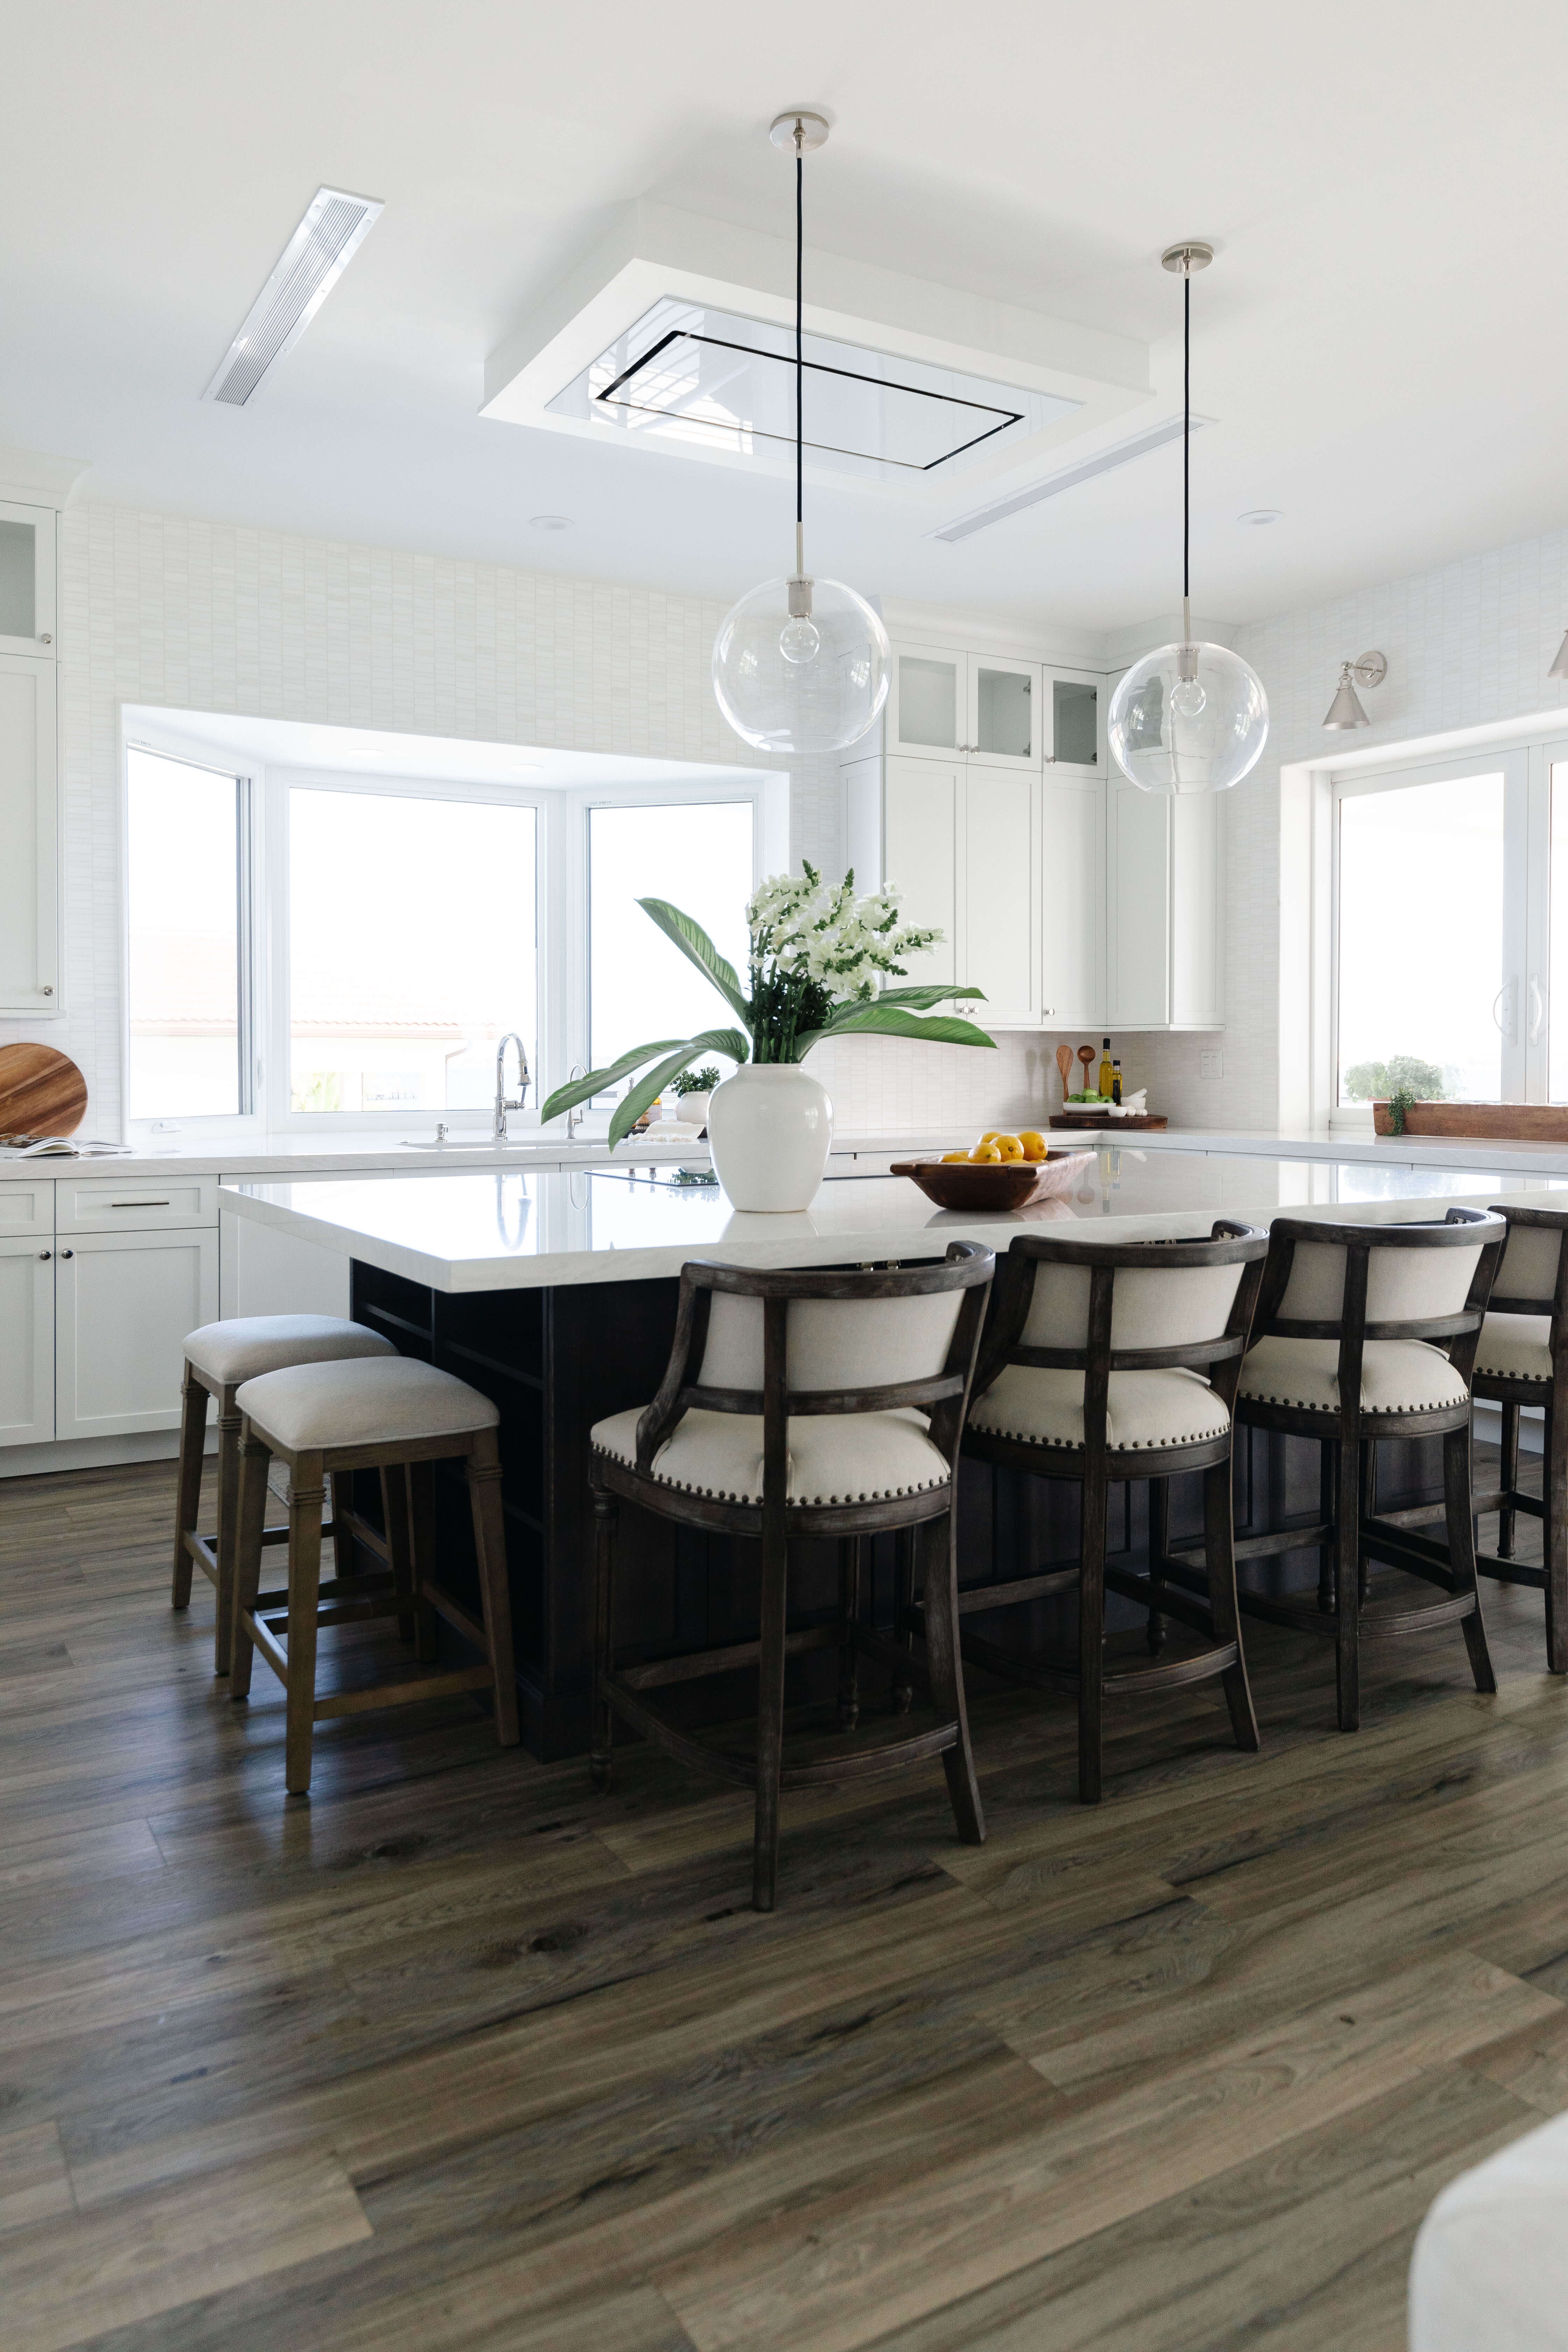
(1345, 710)
(1560, 667)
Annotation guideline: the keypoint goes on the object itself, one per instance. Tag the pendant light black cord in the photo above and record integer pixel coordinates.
(799, 362)
(1186, 431)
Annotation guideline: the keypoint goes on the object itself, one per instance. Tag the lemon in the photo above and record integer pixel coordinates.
(1034, 1143)
(987, 1153)
(949, 1156)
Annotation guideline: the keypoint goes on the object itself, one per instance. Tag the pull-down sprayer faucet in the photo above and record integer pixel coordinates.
(503, 1106)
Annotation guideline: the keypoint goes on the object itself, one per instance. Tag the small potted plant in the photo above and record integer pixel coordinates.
(693, 1091)
(820, 966)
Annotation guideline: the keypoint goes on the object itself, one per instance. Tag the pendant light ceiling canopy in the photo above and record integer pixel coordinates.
(800, 666)
(1189, 718)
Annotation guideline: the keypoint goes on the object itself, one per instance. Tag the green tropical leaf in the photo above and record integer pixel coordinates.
(916, 999)
(578, 1090)
(631, 1108)
(694, 943)
(891, 1021)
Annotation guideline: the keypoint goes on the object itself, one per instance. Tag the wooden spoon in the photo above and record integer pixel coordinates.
(1064, 1064)
(1086, 1055)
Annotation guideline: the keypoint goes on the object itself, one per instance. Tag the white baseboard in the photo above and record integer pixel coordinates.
(95, 1452)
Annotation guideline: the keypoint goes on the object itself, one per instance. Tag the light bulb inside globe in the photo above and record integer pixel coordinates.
(1188, 699)
(800, 640)
(1190, 718)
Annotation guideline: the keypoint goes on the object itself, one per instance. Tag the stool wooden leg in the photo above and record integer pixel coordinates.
(1220, 1556)
(1368, 1507)
(1158, 1543)
(850, 1558)
(250, 1519)
(489, 1546)
(307, 1493)
(399, 1541)
(939, 1595)
(342, 1504)
(903, 1600)
(769, 1709)
(606, 1513)
(1347, 1589)
(188, 1485)
(1327, 1516)
(422, 1529)
(1508, 1481)
(1092, 1638)
(1457, 1492)
(1555, 1538)
(229, 1425)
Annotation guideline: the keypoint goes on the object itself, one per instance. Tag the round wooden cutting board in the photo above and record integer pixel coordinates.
(42, 1092)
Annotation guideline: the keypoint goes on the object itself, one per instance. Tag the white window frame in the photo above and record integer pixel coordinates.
(1525, 772)
(562, 913)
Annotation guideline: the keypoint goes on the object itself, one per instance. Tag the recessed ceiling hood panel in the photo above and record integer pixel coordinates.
(677, 335)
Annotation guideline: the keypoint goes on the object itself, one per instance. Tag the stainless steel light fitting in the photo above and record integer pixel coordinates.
(1345, 710)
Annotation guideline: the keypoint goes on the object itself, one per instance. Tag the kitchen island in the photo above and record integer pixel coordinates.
(556, 1293)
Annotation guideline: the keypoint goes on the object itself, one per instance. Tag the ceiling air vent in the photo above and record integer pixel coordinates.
(334, 227)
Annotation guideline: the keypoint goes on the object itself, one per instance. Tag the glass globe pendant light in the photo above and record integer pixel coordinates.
(800, 665)
(1189, 718)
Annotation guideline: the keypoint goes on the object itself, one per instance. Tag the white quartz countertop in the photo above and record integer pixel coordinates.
(509, 1228)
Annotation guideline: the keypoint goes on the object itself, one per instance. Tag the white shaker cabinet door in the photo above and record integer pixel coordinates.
(26, 1341)
(1139, 909)
(29, 848)
(1001, 869)
(123, 1305)
(1072, 901)
(923, 807)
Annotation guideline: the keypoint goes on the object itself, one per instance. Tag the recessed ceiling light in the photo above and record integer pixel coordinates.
(1258, 516)
(551, 523)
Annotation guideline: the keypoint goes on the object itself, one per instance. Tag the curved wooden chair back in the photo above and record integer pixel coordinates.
(1533, 1277)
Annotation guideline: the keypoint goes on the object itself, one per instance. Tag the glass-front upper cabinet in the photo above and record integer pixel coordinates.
(1071, 721)
(27, 580)
(1004, 711)
(927, 699)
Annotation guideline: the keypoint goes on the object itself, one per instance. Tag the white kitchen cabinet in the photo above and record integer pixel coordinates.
(1163, 949)
(942, 700)
(917, 809)
(123, 1303)
(108, 1204)
(27, 536)
(1070, 721)
(1000, 934)
(29, 833)
(266, 1271)
(1072, 900)
(26, 1341)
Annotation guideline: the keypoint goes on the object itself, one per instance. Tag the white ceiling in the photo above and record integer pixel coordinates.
(1382, 341)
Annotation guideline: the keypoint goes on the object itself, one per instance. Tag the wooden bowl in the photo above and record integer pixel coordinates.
(990, 1183)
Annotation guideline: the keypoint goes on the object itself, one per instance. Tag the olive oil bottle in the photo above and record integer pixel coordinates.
(1105, 1071)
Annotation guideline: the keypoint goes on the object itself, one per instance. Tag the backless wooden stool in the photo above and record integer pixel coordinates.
(824, 1403)
(1522, 1358)
(1363, 1332)
(395, 1414)
(219, 1359)
(1104, 1362)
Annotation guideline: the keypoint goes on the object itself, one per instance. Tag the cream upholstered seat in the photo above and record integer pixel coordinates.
(734, 1442)
(1396, 1376)
(375, 1401)
(1144, 1410)
(1366, 1331)
(832, 1458)
(245, 1346)
(219, 1358)
(1076, 1381)
(1490, 2270)
(1515, 1348)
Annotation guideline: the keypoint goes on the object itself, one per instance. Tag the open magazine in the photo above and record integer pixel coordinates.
(61, 1147)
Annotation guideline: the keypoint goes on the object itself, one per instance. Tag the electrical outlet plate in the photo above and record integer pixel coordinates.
(1211, 1065)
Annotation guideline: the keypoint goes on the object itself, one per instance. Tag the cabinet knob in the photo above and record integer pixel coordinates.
(46, 639)
(68, 1252)
(46, 991)
(46, 1255)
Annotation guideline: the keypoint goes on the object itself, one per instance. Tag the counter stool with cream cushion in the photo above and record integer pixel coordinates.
(1363, 1332)
(219, 1359)
(1523, 1360)
(1104, 1362)
(826, 1404)
(395, 1414)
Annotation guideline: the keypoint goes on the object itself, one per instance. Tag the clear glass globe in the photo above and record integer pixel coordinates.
(1200, 732)
(801, 683)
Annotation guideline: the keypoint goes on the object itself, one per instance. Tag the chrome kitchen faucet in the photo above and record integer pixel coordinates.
(503, 1106)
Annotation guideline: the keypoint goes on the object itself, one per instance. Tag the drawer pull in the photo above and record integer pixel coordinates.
(140, 1204)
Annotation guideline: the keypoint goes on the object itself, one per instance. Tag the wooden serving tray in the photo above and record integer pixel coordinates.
(1143, 1118)
(1503, 1122)
(42, 1092)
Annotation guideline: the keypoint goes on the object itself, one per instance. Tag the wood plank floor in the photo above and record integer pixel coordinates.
(458, 2055)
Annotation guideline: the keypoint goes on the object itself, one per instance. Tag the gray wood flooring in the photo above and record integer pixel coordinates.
(458, 2055)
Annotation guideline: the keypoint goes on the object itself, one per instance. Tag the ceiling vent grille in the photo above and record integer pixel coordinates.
(334, 227)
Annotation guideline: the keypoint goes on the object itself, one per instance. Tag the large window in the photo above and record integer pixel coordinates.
(699, 856)
(412, 948)
(188, 976)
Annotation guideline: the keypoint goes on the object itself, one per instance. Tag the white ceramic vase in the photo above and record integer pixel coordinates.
(769, 1128)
